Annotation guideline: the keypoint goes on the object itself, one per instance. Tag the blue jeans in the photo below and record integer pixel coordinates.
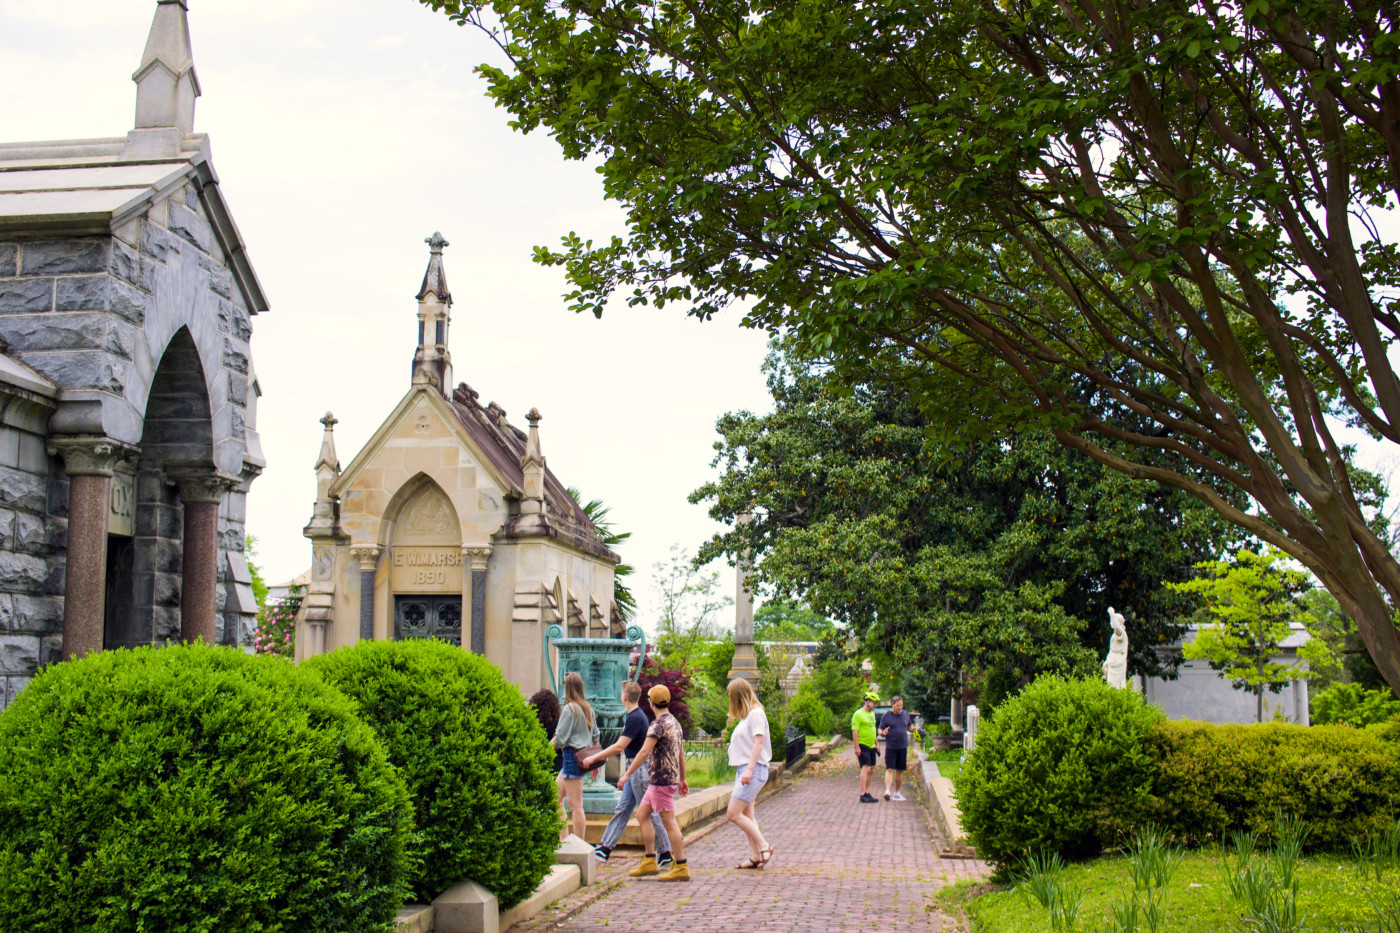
(629, 795)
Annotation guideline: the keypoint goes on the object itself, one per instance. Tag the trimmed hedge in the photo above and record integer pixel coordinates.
(1049, 763)
(475, 758)
(194, 788)
(1210, 780)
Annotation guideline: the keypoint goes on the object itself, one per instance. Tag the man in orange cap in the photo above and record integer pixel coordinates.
(666, 757)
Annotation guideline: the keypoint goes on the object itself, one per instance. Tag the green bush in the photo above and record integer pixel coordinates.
(808, 713)
(194, 788)
(477, 763)
(710, 710)
(1353, 705)
(1046, 764)
(1210, 780)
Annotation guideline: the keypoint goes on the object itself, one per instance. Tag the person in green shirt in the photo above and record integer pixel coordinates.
(863, 737)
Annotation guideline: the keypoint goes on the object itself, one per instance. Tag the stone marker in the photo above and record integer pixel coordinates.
(466, 907)
(974, 716)
(574, 851)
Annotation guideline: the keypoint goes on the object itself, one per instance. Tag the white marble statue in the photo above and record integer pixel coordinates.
(1115, 666)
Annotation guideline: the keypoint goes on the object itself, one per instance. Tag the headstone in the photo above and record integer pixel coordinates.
(974, 716)
(1115, 665)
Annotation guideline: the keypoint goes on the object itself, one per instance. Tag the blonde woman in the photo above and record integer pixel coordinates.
(577, 730)
(750, 750)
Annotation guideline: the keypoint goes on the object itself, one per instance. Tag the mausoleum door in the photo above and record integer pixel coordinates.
(428, 617)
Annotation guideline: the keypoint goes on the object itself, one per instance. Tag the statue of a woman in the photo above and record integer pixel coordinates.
(1115, 666)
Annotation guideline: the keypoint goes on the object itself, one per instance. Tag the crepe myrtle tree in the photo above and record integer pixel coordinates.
(1171, 201)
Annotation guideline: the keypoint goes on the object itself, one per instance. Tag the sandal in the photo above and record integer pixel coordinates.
(765, 858)
(750, 863)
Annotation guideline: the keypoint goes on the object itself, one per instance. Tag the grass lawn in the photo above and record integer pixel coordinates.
(1331, 895)
(949, 763)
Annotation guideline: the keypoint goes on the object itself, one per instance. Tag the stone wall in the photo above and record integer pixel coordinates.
(96, 315)
(33, 525)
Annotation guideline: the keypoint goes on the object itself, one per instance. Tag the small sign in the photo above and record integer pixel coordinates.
(121, 508)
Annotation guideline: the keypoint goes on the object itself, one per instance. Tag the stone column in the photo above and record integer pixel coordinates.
(477, 558)
(745, 658)
(200, 493)
(368, 556)
(89, 462)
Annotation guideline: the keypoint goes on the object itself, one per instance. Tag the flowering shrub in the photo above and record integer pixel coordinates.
(675, 680)
(276, 631)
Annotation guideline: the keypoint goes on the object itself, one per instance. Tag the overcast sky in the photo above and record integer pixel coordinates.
(344, 133)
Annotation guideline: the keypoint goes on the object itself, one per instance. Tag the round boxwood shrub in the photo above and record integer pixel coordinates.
(194, 788)
(477, 763)
(1049, 762)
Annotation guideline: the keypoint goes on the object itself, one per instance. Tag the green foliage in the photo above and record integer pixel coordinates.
(709, 708)
(689, 601)
(1140, 253)
(477, 763)
(598, 514)
(1250, 601)
(784, 620)
(259, 585)
(1209, 781)
(1000, 555)
(1353, 705)
(838, 691)
(808, 713)
(195, 788)
(1049, 763)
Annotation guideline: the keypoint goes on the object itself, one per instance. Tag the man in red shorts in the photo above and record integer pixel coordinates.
(666, 755)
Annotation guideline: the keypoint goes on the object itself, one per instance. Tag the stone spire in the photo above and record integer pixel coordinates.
(324, 519)
(745, 657)
(431, 361)
(166, 86)
(532, 465)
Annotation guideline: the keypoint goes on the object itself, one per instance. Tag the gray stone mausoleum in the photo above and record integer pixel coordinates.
(127, 390)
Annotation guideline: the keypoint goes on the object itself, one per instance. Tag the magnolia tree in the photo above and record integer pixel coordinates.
(1148, 228)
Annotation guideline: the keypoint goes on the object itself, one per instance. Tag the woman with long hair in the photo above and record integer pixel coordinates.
(750, 750)
(577, 729)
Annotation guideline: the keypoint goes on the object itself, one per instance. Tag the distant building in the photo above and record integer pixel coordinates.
(1201, 693)
(449, 525)
(127, 392)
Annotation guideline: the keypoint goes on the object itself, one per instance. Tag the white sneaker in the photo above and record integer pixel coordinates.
(897, 796)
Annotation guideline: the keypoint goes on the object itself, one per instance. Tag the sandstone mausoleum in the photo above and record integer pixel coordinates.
(449, 524)
(127, 391)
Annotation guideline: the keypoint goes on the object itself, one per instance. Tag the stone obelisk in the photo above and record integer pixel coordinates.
(745, 660)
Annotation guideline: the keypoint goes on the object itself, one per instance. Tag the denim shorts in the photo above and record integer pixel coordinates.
(570, 769)
(749, 792)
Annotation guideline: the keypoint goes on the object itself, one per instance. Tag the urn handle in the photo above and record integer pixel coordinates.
(635, 633)
(552, 633)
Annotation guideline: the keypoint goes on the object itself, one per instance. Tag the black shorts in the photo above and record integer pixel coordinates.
(868, 756)
(896, 759)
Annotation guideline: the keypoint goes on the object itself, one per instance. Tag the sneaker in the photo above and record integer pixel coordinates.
(897, 796)
(866, 798)
(887, 793)
(647, 867)
(664, 861)
(677, 873)
(601, 853)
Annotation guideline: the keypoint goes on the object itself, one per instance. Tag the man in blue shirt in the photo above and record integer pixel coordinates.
(634, 736)
(894, 726)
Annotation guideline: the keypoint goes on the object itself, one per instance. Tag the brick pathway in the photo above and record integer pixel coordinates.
(838, 865)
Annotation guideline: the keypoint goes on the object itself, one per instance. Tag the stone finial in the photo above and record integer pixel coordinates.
(533, 454)
(435, 279)
(328, 456)
(166, 84)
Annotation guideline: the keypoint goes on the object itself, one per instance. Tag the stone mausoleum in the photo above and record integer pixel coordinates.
(449, 524)
(127, 392)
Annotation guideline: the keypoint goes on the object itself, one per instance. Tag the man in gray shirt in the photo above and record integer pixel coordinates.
(894, 726)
